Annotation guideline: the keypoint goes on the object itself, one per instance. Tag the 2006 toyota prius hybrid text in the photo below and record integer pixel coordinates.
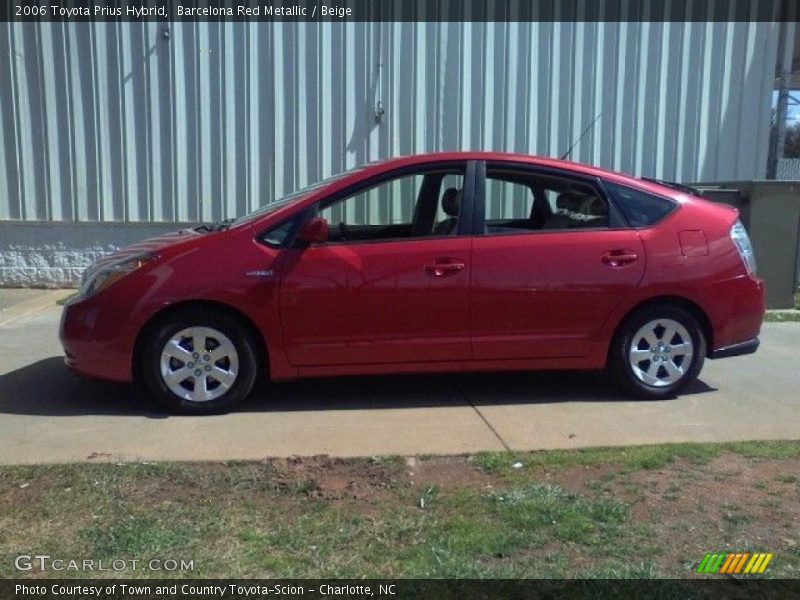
(442, 262)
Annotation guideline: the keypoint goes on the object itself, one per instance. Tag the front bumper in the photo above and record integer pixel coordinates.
(95, 340)
(739, 349)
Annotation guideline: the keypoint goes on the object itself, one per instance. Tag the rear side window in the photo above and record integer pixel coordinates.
(640, 208)
(521, 201)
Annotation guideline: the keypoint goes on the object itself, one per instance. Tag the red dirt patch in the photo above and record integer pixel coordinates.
(338, 479)
(448, 473)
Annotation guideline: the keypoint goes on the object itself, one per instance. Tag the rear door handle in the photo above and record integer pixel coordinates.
(619, 258)
(443, 267)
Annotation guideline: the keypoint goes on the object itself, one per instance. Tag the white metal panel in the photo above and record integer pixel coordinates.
(190, 121)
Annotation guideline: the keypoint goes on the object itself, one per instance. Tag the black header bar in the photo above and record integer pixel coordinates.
(393, 589)
(402, 10)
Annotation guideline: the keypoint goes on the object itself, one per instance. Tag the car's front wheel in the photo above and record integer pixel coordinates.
(199, 362)
(658, 351)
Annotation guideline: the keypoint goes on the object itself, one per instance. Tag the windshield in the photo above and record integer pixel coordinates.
(286, 200)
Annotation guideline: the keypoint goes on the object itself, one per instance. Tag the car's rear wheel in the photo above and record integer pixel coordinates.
(658, 351)
(199, 362)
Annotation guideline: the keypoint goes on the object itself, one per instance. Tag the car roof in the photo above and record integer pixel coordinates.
(389, 164)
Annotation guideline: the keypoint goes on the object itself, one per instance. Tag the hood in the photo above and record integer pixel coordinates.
(154, 244)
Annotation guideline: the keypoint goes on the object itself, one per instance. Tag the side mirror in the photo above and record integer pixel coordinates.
(315, 231)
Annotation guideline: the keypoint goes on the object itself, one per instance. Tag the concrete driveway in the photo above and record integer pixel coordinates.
(48, 415)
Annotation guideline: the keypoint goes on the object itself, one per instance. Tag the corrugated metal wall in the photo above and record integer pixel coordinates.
(788, 170)
(190, 121)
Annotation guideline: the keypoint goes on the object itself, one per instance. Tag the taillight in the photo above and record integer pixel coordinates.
(742, 242)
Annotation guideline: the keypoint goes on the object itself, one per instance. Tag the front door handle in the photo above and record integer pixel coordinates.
(443, 267)
(619, 258)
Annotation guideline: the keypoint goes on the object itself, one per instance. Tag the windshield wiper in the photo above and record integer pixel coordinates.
(222, 225)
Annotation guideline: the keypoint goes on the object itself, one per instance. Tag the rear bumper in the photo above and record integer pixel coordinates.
(735, 308)
(739, 349)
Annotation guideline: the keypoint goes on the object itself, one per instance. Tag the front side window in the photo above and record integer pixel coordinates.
(279, 235)
(525, 201)
(408, 206)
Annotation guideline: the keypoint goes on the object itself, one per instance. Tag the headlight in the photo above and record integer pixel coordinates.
(96, 279)
(742, 242)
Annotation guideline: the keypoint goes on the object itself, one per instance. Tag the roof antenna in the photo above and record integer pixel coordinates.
(588, 127)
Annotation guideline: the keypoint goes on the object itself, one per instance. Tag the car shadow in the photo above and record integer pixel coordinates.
(48, 388)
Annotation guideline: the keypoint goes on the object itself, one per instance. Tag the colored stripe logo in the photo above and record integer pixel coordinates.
(734, 563)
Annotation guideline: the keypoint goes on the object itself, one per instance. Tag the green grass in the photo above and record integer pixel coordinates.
(244, 519)
(632, 458)
(785, 478)
(782, 316)
(143, 535)
(785, 316)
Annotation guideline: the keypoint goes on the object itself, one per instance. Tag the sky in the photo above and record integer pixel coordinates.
(793, 114)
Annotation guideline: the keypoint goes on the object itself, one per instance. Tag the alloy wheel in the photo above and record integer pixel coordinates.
(199, 364)
(661, 352)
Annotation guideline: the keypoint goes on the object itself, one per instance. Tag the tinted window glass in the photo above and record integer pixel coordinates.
(452, 183)
(279, 235)
(388, 203)
(640, 208)
(506, 198)
(519, 201)
(409, 206)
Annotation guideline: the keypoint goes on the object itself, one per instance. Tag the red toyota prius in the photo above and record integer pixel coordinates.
(441, 262)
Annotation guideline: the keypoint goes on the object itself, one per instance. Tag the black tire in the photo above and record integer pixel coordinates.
(150, 362)
(621, 355)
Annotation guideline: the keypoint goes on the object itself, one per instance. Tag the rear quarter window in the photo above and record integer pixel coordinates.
(640, 208)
